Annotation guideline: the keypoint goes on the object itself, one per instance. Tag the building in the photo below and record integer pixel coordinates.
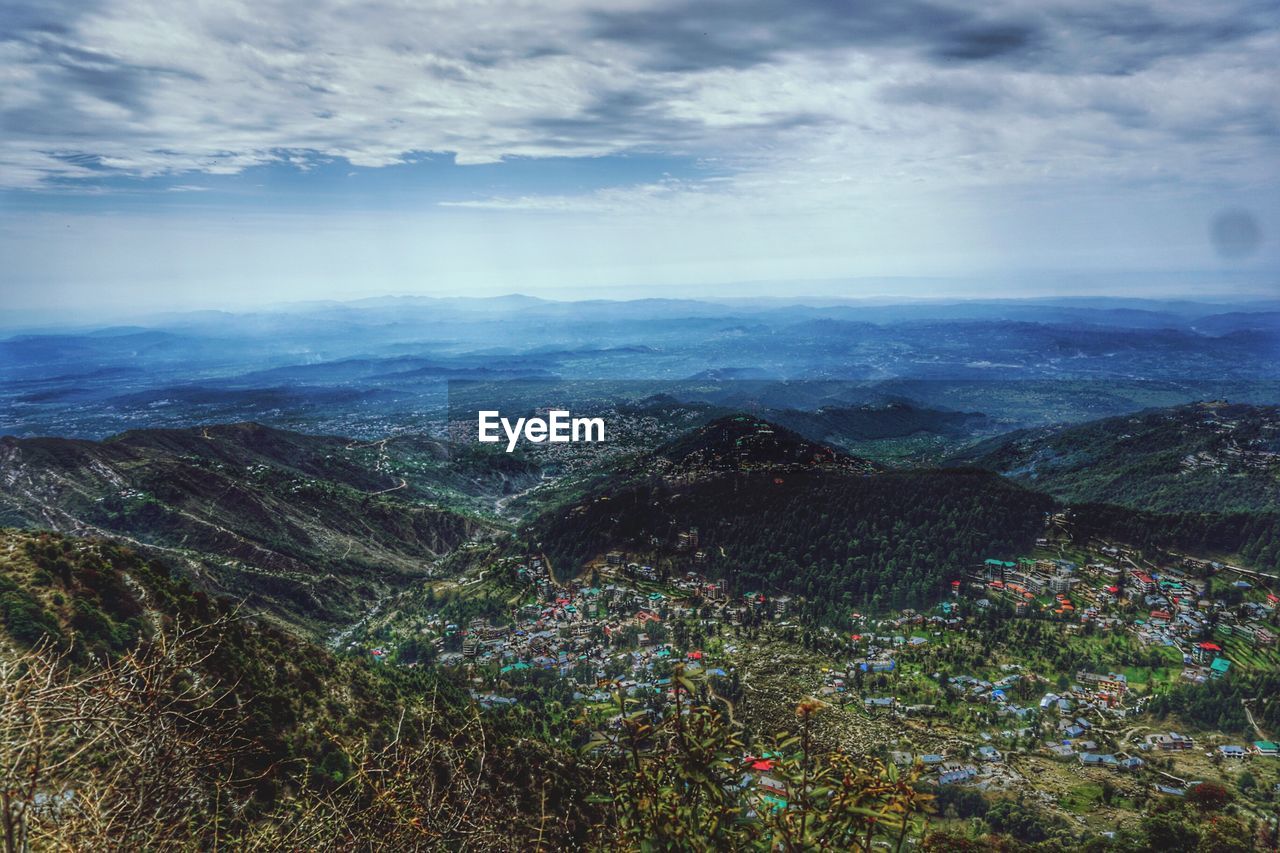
(1144, 581)
(957, 777)
(1112, 682)
(1170, 742)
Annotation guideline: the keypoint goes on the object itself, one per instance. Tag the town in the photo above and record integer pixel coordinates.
(1042, 673)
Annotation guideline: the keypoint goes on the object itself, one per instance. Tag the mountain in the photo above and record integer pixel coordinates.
(777, 513)
(1202, 457)
(743, 442)
(312, 529)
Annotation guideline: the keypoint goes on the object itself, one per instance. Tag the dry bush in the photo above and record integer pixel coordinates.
(127, 754)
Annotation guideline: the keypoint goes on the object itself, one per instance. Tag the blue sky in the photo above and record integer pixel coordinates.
(228, 154)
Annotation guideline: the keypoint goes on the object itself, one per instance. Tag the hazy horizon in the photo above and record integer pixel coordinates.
(743, 295)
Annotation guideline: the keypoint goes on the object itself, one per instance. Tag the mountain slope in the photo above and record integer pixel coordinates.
(198, 727)
(310, 528)
(777, 513)
(1197, 458)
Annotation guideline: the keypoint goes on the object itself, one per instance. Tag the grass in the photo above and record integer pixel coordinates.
(1083, 798)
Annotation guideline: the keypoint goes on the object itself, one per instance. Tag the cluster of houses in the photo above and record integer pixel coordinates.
(612, 635)
(1162, 607)
(608, 636)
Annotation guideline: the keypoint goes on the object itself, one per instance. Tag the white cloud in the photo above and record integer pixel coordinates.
(1020, 92)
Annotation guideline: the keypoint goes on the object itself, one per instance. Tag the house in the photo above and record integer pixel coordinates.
(1206, 649)
(957, 777)
(1170, 741)
(1094, 759)
(1219, 667)
(1133, 762)
(989, 753)
(1111, 682)
(1144, 580)
(1266, 747)
(1232, 751)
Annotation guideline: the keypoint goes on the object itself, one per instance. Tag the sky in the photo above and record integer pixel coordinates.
(158, 155)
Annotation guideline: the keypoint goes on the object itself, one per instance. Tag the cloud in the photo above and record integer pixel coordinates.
(792, 99)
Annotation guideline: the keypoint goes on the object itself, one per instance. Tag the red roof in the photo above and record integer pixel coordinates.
(1160, 614)
(1211, 647)
(1113, 589)
(695, 655)
(763, 764)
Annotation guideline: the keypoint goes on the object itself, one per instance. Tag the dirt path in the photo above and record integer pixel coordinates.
(403, 484)
(1248, 715)
(733, 720)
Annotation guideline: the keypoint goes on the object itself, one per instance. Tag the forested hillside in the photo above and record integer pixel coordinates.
(1205, 456)
(798, 518)
(1253, 537)
(309, 528)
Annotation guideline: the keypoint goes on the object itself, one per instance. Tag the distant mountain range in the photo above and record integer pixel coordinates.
(375, 367)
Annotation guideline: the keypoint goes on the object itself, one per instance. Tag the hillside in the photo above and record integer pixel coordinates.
(309, 528)
(199, 728)
(778, 513)
(1201, 457)
(869, 423)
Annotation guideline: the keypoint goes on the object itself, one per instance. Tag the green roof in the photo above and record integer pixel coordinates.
(1266, 745)
(1220, 665)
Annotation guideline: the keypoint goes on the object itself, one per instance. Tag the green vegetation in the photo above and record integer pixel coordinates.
(841, 540)
(1178, 460)
(312, 529)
